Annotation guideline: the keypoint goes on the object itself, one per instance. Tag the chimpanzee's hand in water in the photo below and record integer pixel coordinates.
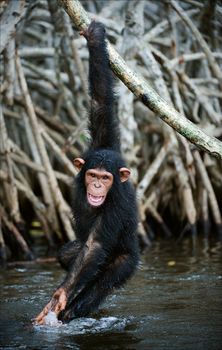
(56, 304)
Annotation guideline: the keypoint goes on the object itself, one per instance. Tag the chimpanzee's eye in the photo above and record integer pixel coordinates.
(92, 175)
(105, 177)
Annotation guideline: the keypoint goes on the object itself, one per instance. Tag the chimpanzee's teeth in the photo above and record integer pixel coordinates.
(96, 198)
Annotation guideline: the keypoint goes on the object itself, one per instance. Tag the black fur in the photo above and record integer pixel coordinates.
(105, 253)
(103, 124)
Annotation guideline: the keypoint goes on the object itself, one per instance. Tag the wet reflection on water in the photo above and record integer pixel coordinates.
(173, 302)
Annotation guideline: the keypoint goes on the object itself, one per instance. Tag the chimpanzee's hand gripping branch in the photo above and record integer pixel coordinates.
(105, 253)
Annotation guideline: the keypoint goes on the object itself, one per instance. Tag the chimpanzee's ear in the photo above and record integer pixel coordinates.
(124, 174)
(79, 162)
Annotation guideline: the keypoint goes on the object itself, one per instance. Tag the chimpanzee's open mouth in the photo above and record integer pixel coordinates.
(95, 201)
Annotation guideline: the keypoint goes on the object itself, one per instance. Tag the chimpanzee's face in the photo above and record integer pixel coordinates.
(98, 183)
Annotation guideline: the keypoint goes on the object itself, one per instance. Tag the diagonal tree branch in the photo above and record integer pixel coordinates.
(145, 92)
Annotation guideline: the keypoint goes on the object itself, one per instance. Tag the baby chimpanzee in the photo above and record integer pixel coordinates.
(105, 254)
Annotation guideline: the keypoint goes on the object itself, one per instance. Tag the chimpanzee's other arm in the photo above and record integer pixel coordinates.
(85, 267)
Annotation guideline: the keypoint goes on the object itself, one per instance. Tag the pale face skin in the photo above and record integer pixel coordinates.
(98, 183)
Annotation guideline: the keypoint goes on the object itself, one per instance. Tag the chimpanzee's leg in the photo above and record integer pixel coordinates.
(68, 253)
(113, 276)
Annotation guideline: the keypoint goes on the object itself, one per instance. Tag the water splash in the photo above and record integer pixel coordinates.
(52, 320)
(82, 325)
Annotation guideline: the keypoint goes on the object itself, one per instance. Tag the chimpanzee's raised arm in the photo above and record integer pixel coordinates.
(103, 123)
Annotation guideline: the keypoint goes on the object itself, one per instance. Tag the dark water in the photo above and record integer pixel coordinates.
(173, 302)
